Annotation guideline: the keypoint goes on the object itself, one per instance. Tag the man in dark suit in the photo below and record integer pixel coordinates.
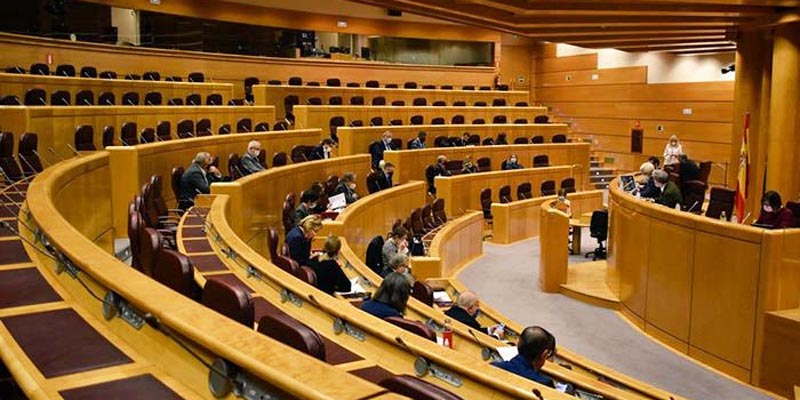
(307, 204)
(196, 179)
(299, 239)
(535, 346)
(378, 148)
(419, 141)
(688, 169)
(466, 310)
(347, 185)
(249, 160)
(440, 169)
(385, 176)
(323, 151)
(670, 193)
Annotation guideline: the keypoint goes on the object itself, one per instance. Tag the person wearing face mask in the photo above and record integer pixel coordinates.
(440, 169)
(249, 160)
(378, 148)
(468, 167)
(385, 174)
(669, 193)
(466, 311)
(464, 139)
(308, 202)
(672, 151)
(196, 180)
(398, 263)
(299, 239)
(512, 163)
(397, 244)
(535, 346)
(647, 187)
(419, 141)
(323, 151)
(773, 214)
(347, 185)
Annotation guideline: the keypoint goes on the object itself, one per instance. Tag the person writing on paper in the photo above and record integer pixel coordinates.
(773, 213)
(391, 297)
(249, 160)
(647, 186)
(347, 186)
(668, 192)
(197, 178)
(330, 277)
(299, 239)
(672, 151)
(535, 346)
(308, 203)
(397, 244)
(466, 311)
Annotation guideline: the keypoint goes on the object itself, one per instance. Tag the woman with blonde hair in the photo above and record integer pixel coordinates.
(672, 151)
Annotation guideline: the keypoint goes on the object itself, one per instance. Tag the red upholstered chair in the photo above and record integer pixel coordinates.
(229, 300)
(423, 293)
(415, 327)
(292, 333)
(416, 388)
(486, 203)
(174, 270)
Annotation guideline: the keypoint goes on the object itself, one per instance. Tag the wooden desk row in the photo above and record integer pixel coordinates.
(274, 95)
(55, 126)
(519, 220)
(462, 192)
(357, 140)
(60, 201)
(18, 84)
(410, 164)
(320, 116)
(703, 286)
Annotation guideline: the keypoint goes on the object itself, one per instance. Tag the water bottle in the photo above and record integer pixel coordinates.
(447, 334)
(723, 217)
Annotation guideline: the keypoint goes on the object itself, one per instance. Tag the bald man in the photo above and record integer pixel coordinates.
(467, 309)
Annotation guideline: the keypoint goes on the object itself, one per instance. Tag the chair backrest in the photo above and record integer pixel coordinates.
(423, 293)
(538, 139)
(84, 138)
(108, 136)
(415, 388)
(457, 119)
(478, 121)
(499, 103)
(203, 127)
(163, 130)
(194, 99)
(437, 209)
(598, 226)
(487, 142)
(524, 191)
(437, 121)
(335, 100)
(480, 104)
(106, 99)
(35, 97)
(721, 199)
(568, 185)
(499, 119)
(705, 171)
(150, 243)
(84, 98)
(357, 100)
(484, 164)
(60, 98)
(295, 81)
(27, 154)
(10, 100)
(486, 199)
(379, 101)
(65, 70)
(290, 101)
(420, 101)
(410, 85)
(333, 82)
(175, 101)
(175, 181)
(548, 188)
(279, 159)
(128, 134)
(185, 128)
(521, 121)
(15, 70)
(196, 77)
(521, 140)
(274, 82)
(174, 270)
(151, 76)
(229, 300)
(794, 207)
(312, 83)
(293, 333)
(40, 69)
(559, 138)
(234, 166)
(541, 160)
(135, 224)
(541, 119)
(439, 103)
(694, 194)
(130, 99)
(398, 103)
(415, 327)
(417, 120)
(505, 194)
(372, 84)
(148, 135)
(214, 99)
(244, 125)
(88, 72)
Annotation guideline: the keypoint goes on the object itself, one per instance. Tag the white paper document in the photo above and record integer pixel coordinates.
(441, 296)
(507, 352)
(337, 202)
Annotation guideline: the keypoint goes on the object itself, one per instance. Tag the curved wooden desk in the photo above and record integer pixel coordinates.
(700, 285)
(55, 126)
(457, 244)
(410, 164)
(69, 225)
(275, 94)
(462, 192)
(320, 116)
(357, 140)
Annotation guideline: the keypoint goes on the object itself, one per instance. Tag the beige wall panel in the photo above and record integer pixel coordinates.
(680, 92)
(701, 111)
(561, 64)
(601, 77)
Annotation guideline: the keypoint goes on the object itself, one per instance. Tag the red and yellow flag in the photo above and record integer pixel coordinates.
(744, 171)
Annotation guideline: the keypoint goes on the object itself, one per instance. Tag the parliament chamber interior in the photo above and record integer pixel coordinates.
(385, 199)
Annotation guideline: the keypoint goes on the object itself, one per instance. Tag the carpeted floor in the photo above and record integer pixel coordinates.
(597, 333)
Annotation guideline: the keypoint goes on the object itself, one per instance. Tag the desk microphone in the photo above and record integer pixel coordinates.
(692, 207)
(47, 164)
(130, 102)
(77, 153)
(745, 218)
(149, 103)
(87, 102)
(42, 100)
(53, 152)
(124, 143)
(25, 160)
(236, 167)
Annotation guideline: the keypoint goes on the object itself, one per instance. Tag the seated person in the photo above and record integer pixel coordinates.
(464, 141)
(249, 160)
(688, 169)
(308, 204)
(467, 309)
(512, 163)
(647, 187)
(330, 277)
(468, 167)
(347, 185)
(773, 213)
(668, 192)
(323, 151)
(398, 263)
(655, 161)
(385, 173)
(419, 141)
(398, 243)
(535, 346)
(299, 239)
(385, 144)
(391, 297)
(501, 139)
(440, 169)
(196, 179)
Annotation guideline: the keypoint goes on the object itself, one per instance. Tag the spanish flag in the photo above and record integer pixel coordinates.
(744, 171)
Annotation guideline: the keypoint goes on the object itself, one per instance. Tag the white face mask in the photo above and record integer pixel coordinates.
(513, 160)
(352, 186)
(387, 140)
(256, 153)
(767, 208)
(312, 205)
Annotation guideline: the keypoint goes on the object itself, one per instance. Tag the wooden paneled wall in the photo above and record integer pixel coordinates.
(605, 104)
(226, 68)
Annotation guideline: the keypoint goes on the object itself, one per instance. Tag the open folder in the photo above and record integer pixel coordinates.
(355, 287)
(337, 202)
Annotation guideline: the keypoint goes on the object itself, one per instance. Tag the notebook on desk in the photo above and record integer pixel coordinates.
(337, 202)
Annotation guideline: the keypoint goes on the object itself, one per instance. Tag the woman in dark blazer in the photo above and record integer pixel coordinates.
(330, 277)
